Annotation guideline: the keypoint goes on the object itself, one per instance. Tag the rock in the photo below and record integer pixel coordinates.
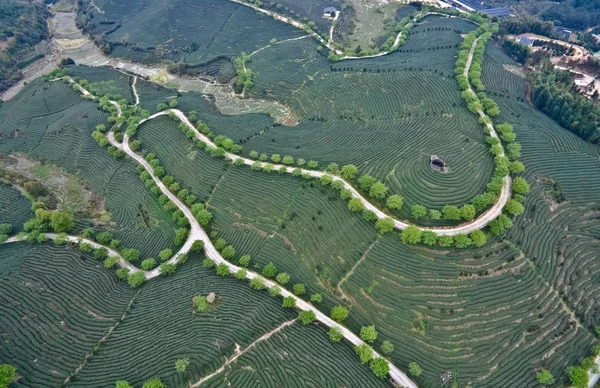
(211, 298)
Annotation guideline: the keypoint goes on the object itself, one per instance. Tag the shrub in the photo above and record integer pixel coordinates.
(365, 353)
(165, 254)
(355, 205)
(394, 202)
(269, 271)
(182, 364)
(244, 260)
(339, 313)
(257, 283)
(379, 367)
(385, 225)
(316, 298)
(387, 347)
(222, 270)
(122, 273)
(411, 235)
(306, 317)
(275, 291)
(167, 269)
(335, 334)
(544, 377)
(299, 289)
(136, 279)
(282, 278)
(200, 304)
(154, 383)
(415, 369)
(148, 264)
(368, 333)
(208, 263)
(7, 375)
(418, 211)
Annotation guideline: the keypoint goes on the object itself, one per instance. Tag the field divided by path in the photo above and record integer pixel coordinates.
(56, 305)
(15, 209)
(455, 311)
(385, 115)
(289, 358)
(155, 30)
(50, 122)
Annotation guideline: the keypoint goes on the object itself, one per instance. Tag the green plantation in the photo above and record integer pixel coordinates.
(500, 306)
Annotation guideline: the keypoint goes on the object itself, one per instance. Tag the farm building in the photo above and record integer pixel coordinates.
(474, 6)
(525, 40)
(565, 34)
(329, 12)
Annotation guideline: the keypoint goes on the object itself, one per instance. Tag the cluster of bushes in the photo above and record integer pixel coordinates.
(244, 74)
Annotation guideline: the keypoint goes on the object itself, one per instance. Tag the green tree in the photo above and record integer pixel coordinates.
(346, 194)
(368, 333)
(282, 278)
(288, 160)
(461, 240)
(380, 367)
(154, 383)
(411, 235)
(181, 235)
(299, 289)
(415, 369)
(356, 205)
(122, 273)
(365, 182)
(394, 202)
(451, 212)
(7, 375)
(365, 353)
(166, 254)
(223, 270)
(378, 190)
(208, 263)
(228, 252)
(468, 212)
(333, 168)
(182, 364)
(269, 271)
(429, 238)
(111, 261)
(61, 222)
(244, 260)
(339, 313)
(100, 253)
(276, 158)
(349, 172)
(167, 269)
(387, 347)
(241, 274)
(148, 264)
(435, 214)
(418, 211)
(478, 238)
(136, 279)
(275, 291)
(289, 301)
(513, 207)
(316, 298)
(520, 186)
(335, 334)
(220, 243)
(544, 377)
(257, 283)
(384, 225)
(306, 317)
(119, 384)
(578, 376)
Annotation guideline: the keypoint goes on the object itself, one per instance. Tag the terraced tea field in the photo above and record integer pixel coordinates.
(151, 30)
(493, 315)
(50, 323)
(51, 123)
